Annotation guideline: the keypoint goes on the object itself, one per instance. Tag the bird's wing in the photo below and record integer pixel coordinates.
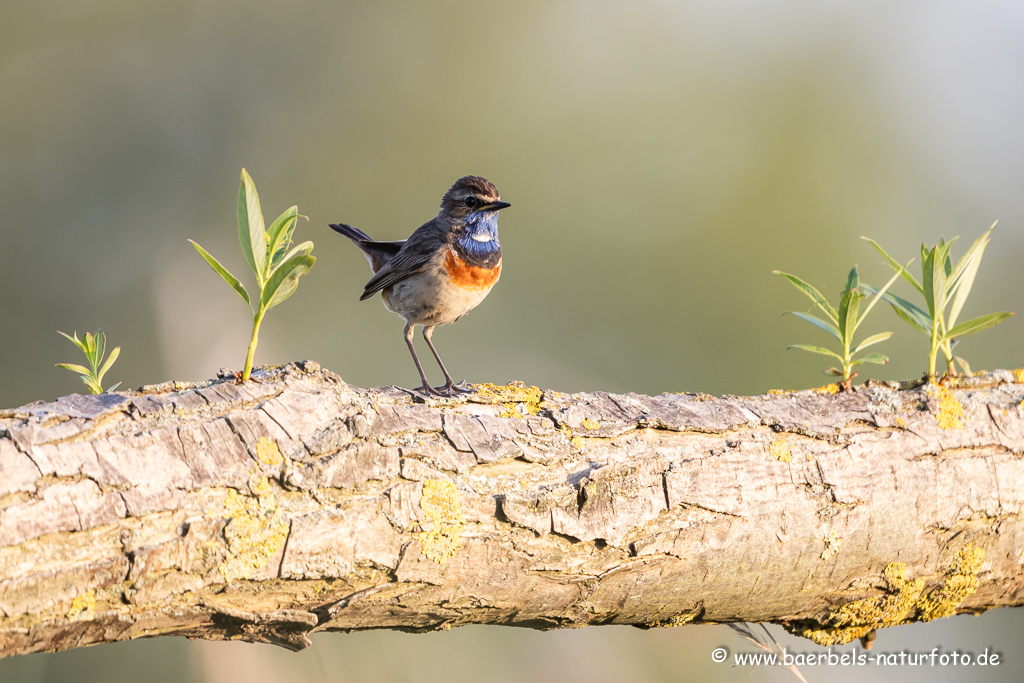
(413, 257)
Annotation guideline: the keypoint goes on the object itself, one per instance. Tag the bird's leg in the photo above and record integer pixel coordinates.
(428, 331)
(426, 388)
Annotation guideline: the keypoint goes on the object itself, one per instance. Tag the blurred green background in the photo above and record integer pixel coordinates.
(662, 158)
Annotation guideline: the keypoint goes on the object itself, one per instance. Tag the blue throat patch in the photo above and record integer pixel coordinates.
(480, 224)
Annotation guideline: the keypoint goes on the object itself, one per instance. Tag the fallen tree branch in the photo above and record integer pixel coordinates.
(296, 503)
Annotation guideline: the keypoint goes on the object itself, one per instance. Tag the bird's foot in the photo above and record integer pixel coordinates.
(453, 389)
(430, 391)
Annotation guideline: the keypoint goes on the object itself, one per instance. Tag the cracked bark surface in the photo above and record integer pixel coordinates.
(297, 503)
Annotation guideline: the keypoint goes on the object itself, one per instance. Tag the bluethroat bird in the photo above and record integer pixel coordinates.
(443, 271)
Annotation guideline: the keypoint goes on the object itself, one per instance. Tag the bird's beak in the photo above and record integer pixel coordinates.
(495, 206)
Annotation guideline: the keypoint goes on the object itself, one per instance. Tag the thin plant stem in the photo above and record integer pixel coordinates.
(252, 344)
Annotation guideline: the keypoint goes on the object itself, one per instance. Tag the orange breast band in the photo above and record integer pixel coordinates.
(470, 277)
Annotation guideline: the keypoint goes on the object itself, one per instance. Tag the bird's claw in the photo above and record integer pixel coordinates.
(429, 391)
(453, 387)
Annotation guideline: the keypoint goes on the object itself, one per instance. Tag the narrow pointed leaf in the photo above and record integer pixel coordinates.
(911, 313)
(112, 387)
(848, 307)
(74, 340)
(928, 278)
(74, 367)
(835, 372)
(878, 294)
(90, 345)
(813, 294)
(828, 327)
(223, 272)
(963, 275)
(285, 280)
(305, 248)
(817, 349)
(895, 265)
(252, 235)
(279, 233)
(872, 340)
(939, 289)
(277, 228)
(110, 361)
(911, 320)
(874, 358)
(978, 324)
(101, 347)
(852, 280)
(944, 250)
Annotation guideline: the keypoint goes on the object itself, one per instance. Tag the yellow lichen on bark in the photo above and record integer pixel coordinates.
(517, 398)
(83, 607)
(442, 504)
(961, 582)
(951, 413)
(856, 619)
(268, 453)
(779, 449)
(832, 544)
(255, 532)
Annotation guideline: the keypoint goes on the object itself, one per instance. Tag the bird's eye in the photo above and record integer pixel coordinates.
(470, 201)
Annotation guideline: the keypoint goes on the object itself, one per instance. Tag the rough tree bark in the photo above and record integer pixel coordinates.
(297, 503)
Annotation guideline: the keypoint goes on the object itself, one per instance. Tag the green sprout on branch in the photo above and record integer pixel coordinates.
(942, 286)
(94, 346)
(842, 324)
(270, 255)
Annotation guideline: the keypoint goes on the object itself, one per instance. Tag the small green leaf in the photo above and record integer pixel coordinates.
(910, 320)
(848, 314)
(100, 348)
(827, 326)
(929, 278)
(939, 278)
(110, 361)
(874, 358)
(279, 235)
(89, 342)
(74, 367)
(978, 324)
(285, 280)
(835, 372)
(223, 272)
(872, 340)
(963, 275)
(895, 265)
(304, 248)
(944, 250)
(911, 313)
(813, 294)
(74, 340)
(880, 293)
(252, 235)
(852, 280)
(817, 349)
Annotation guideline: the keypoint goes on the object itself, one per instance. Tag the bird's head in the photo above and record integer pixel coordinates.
(470, 195)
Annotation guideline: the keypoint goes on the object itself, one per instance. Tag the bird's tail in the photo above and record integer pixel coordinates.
(354, 234)
(376, 253)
